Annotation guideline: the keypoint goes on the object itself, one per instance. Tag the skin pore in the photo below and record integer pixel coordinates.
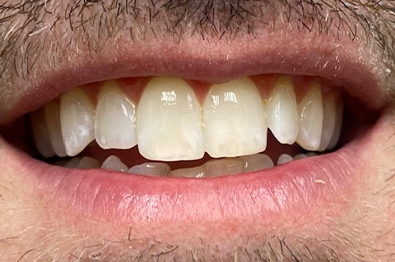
(45, 46)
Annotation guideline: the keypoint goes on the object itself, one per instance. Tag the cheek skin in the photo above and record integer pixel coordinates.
(32, 228)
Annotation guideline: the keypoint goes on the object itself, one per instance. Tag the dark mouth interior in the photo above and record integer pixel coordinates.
(357, 120)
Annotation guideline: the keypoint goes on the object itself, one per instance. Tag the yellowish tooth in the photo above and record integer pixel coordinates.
(338, 125)
(40, 134)
(77, 118)
(52, 119)
(151, 169)
(88, 163)
(311, 118)
(224, 167)
(282, 112)
(199, 171)
(284, 158)
(256, 162)
(115, 123)
(115, 164)
(329, 121)
(169, 121)
(234, 119)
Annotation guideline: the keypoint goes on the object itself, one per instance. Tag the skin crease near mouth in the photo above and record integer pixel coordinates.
(49, 47)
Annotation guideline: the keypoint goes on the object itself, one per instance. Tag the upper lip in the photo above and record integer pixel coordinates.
(200, 60)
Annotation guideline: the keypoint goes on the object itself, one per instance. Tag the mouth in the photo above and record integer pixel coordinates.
(167, 150)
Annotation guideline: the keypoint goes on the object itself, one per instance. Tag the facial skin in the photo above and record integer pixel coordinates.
(50, 47)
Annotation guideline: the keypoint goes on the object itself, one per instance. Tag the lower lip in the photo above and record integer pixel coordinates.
(272, 197)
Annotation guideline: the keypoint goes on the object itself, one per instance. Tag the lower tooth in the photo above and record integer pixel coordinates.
(115, 164)
(73, 163)
(300, 156)
(150, 169)
(256, 162)
(199, 171)
(88, 163)
(224, 167)
(284, 158)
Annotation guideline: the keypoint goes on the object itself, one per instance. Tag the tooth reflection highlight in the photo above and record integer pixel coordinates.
(234, 119)
(115, 123)
(77, 115)
(169, 124)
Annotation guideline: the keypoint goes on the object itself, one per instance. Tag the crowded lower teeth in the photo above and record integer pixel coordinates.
(169, 122)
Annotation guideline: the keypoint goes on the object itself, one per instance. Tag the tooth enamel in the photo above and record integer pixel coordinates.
(311, 118)
(234, 119)
(115, 164)
(338, 125)
(77, 115)
(73, 162)
(284, 158)
(282, 112)
(88, 163)
(169, 120)
(115, 123)
(40, 133)
(256, 162)
(224, 167)
(329, 121)
(300, 156)
(199, 171)
(52, 120)
(151, 169)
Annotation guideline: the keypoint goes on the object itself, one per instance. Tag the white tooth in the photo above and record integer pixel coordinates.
(115, 123)
(282, 112)
(88, 163)
(338, 125)
(115, 164)
(77, 115)
(234, 119)
(73, 162)
(52, 119)
(169, 121)
(300, 156)
(199, 171)
(151, 169)
(40, 133)
(256, 162)
(284, 158)
(224, 167)
(329, 120)
(311, 118)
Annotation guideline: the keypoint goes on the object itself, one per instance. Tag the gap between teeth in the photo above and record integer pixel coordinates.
(169, 123)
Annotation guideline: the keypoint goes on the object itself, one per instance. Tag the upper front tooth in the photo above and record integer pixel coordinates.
(169, 125)
(329, 120)
(40, 133)
(77, 115)
(115, 123)
(338, 124)
(282, 112)
(234, 119)
(311, 118)
(52, 119)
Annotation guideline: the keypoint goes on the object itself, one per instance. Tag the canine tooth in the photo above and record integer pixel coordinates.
(88, 163)
(77, 115)
(52, 120)
(169, 121)
(199, 171)
(115, 164)
(234, 119)
(151, 169)
(329, 121)
(284, 158)
(256, 162)
(224, 167)
(40, 133)
(282, 112)
(338, 125)
(300, 156)
(115, 123)
(311, 118)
